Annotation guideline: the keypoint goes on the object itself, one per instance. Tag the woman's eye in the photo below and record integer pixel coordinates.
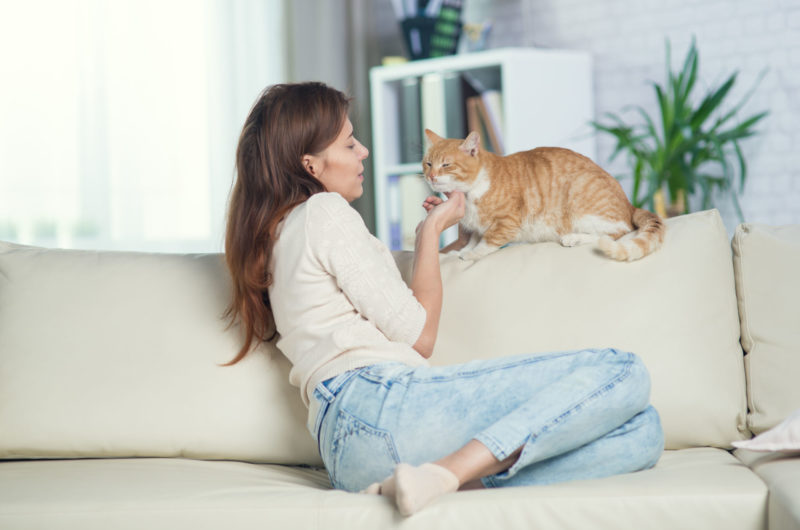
(351, 146)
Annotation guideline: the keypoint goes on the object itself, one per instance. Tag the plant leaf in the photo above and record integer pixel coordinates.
(744, 129)
(689, 69)
(742, 167)
(711, 102)
(735, 110)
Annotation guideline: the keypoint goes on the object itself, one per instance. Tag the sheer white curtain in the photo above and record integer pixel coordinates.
(119, 118)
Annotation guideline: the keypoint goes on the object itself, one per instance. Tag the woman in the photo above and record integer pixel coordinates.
(358, 338)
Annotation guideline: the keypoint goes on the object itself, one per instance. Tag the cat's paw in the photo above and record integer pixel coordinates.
(573, 240)
(570, 240)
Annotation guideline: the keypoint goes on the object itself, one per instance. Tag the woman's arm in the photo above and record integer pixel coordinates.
(426, 278)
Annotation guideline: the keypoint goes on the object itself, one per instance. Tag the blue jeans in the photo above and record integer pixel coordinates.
(576, 415)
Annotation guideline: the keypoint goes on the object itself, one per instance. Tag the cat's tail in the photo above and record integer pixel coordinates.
(648, 238)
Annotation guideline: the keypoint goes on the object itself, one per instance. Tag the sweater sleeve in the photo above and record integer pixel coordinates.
(363, 268)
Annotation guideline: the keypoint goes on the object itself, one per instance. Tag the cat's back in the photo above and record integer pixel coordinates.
(556, 167)
(554, 157)
(557, 179)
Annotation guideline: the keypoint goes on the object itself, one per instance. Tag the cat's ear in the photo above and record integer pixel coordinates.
(471, 145)
(433, 137)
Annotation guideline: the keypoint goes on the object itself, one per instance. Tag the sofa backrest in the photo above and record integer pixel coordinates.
(675, 308)
(106, 354)
(767, 264)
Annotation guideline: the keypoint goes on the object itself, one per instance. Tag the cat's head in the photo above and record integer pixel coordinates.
(450, 164)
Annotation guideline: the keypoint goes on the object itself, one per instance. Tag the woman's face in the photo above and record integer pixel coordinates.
(339, 167)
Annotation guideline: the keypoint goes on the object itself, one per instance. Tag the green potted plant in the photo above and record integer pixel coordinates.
(693, 149)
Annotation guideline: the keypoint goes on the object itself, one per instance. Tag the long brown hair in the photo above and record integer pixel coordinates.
(286, 122)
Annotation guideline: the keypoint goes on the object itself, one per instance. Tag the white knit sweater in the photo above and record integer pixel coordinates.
(338, 299)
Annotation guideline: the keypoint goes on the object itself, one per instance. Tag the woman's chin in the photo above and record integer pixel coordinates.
(355, 194)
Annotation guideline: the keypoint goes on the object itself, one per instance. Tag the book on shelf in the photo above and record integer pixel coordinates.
(411, 139)
(484, 112)
(442, 104)
(492, 112)
(406, 195)
(475, 123)
(393, 207)
(454, 106)
(432, 103)
(485, 118)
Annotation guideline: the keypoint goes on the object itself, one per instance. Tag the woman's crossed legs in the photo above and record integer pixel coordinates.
(522, 420)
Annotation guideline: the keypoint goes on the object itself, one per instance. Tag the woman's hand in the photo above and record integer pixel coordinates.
(445, 213)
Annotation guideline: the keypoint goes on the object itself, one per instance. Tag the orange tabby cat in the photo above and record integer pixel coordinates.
(545, 194)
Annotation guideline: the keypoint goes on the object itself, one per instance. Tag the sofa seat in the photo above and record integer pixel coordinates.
(689, 488)
(781, 472)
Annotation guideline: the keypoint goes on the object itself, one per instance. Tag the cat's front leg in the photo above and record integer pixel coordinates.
(500, 233)
(473, 241)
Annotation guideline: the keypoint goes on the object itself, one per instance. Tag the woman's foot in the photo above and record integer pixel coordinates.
(413, 487)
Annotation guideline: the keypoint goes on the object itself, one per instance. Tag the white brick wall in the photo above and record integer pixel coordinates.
(626, 38)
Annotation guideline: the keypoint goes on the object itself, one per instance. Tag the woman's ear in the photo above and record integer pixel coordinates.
(308, 163)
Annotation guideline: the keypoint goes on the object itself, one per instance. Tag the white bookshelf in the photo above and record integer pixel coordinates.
(547, 101)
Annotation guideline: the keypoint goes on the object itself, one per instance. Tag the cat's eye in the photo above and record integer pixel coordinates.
(446, 164)
(427, 164)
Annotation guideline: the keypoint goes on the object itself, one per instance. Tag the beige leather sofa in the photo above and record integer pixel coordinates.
(115, 413)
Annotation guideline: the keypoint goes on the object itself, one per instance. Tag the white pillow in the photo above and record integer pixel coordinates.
(783, 437)
(116, 354)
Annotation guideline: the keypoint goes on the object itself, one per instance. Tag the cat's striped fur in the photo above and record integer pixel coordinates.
(545, 194)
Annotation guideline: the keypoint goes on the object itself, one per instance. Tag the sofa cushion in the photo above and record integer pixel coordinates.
(767, 264)
(781, 473)
(117, 354)
(693, 488)
(676, 308)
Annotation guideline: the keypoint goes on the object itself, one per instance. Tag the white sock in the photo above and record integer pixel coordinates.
(412, 488)
(415, 487)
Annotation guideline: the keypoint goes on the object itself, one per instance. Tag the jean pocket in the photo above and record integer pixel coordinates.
(360, 454)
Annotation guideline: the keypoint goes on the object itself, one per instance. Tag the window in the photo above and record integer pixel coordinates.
(119, 119)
